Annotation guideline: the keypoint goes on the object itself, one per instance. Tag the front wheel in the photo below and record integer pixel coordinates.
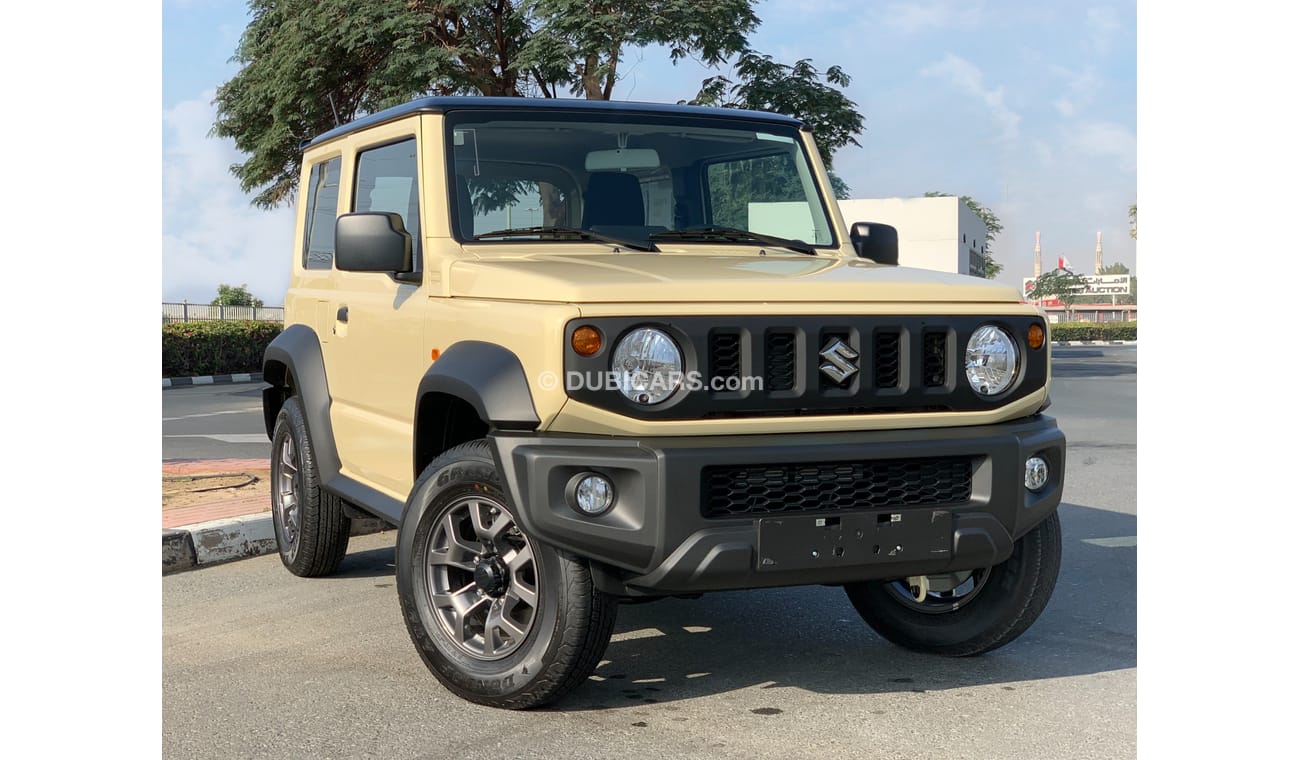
(966, 613)
(497, 617)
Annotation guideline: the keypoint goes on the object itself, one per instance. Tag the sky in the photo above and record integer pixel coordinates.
(1028, 107)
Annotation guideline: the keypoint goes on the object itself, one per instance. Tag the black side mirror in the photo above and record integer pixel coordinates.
(372, 242)
(875, 241)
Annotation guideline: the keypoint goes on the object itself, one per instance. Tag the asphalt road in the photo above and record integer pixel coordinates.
(214, 422)
(258, 663)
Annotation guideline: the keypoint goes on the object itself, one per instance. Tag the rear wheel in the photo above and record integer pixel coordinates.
(310, 527)
(971, 612)
(497, 617)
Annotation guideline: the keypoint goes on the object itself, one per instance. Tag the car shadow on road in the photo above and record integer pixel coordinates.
(370, 563)
(812, 639)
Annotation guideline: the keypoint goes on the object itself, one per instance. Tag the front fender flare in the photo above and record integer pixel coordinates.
(487, 376)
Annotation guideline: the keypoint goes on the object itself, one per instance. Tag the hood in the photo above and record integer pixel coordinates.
(638, 277)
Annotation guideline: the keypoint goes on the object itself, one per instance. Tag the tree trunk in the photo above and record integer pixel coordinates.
(552, 205)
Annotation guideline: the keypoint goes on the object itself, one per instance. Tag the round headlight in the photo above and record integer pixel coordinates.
(648, 365)
(991, 360)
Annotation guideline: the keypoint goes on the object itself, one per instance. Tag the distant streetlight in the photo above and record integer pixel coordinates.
(532, 219)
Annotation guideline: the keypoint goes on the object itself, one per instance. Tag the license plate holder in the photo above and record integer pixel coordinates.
(803, 542)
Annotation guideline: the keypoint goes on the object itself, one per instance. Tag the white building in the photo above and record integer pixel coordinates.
(933, 233)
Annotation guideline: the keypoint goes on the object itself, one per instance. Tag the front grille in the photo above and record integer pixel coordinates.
(935, 350)
(724, 355)
(886, 357)
(739, 490)
(791, 366)
(779, 361)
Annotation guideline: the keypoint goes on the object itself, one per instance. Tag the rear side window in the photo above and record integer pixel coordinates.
(386, 181)
(322, 209)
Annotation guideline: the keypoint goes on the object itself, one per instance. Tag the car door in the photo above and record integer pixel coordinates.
(376, 357)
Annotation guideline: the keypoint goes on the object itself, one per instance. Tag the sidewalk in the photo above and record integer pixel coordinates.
(223, 527)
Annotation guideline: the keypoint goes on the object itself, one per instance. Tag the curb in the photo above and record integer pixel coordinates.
(1094, 343)
(230, 539)
(241, 377)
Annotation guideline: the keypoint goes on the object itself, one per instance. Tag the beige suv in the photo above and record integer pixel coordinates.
(578, 352)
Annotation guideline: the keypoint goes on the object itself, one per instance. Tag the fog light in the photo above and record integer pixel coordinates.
(593, 494)
(1035, 473)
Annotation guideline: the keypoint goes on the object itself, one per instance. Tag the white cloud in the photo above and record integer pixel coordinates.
(1044, 153)
(1081, 89)
(968, 78)
(1103, 25)
(211, 234)
(917, 16)
(1105, 139)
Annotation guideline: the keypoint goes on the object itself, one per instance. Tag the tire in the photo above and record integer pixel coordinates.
(311, 530)
(471, 619)
(1007, 599)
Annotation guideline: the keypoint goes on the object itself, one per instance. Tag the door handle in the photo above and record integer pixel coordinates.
(343, 314)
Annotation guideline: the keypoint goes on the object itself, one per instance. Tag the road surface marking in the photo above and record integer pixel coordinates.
(1117, 542)
(246, 410)
(228, 437)
(642, 633)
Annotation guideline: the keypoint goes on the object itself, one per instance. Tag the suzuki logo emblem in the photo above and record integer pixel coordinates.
(841, 361)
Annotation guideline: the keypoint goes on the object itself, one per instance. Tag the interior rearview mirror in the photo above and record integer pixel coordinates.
(372, 242)
(622, 158)
(875, 241)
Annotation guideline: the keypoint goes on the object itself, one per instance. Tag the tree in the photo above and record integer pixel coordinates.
(309, 65)
(992, 226)
(762, 84)
(1060, 284)
(231, 295)
(1118, 268)
(578, 44)
(1133, 221)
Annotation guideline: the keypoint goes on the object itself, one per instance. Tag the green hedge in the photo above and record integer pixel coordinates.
(215, 348)
(1095, 331)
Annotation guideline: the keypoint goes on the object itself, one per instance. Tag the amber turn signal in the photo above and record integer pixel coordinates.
(1035, 336)
(586, 340)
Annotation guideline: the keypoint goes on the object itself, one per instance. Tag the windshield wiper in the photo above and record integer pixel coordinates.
(714, 232)
(582, 234)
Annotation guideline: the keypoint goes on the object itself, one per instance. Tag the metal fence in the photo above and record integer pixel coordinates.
(201, 312)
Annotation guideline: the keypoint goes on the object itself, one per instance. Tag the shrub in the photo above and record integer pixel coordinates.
(215, 348)
(1095, 331)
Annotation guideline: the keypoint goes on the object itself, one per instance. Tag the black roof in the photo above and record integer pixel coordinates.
(443, 104)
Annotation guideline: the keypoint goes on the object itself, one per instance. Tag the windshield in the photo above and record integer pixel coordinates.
(632, 177)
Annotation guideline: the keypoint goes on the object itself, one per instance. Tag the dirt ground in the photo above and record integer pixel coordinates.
(208, 488)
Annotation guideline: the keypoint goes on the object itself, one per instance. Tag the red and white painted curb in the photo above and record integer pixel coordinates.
(208, 534)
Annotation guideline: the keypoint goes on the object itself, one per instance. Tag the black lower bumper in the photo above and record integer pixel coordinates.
(663, 536)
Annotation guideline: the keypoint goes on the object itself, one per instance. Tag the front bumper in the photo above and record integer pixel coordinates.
(656, 539)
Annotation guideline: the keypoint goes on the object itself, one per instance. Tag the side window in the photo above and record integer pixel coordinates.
(386, 181)
(500, 202)
(658, 193)
(500, 198)
(322, 209)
